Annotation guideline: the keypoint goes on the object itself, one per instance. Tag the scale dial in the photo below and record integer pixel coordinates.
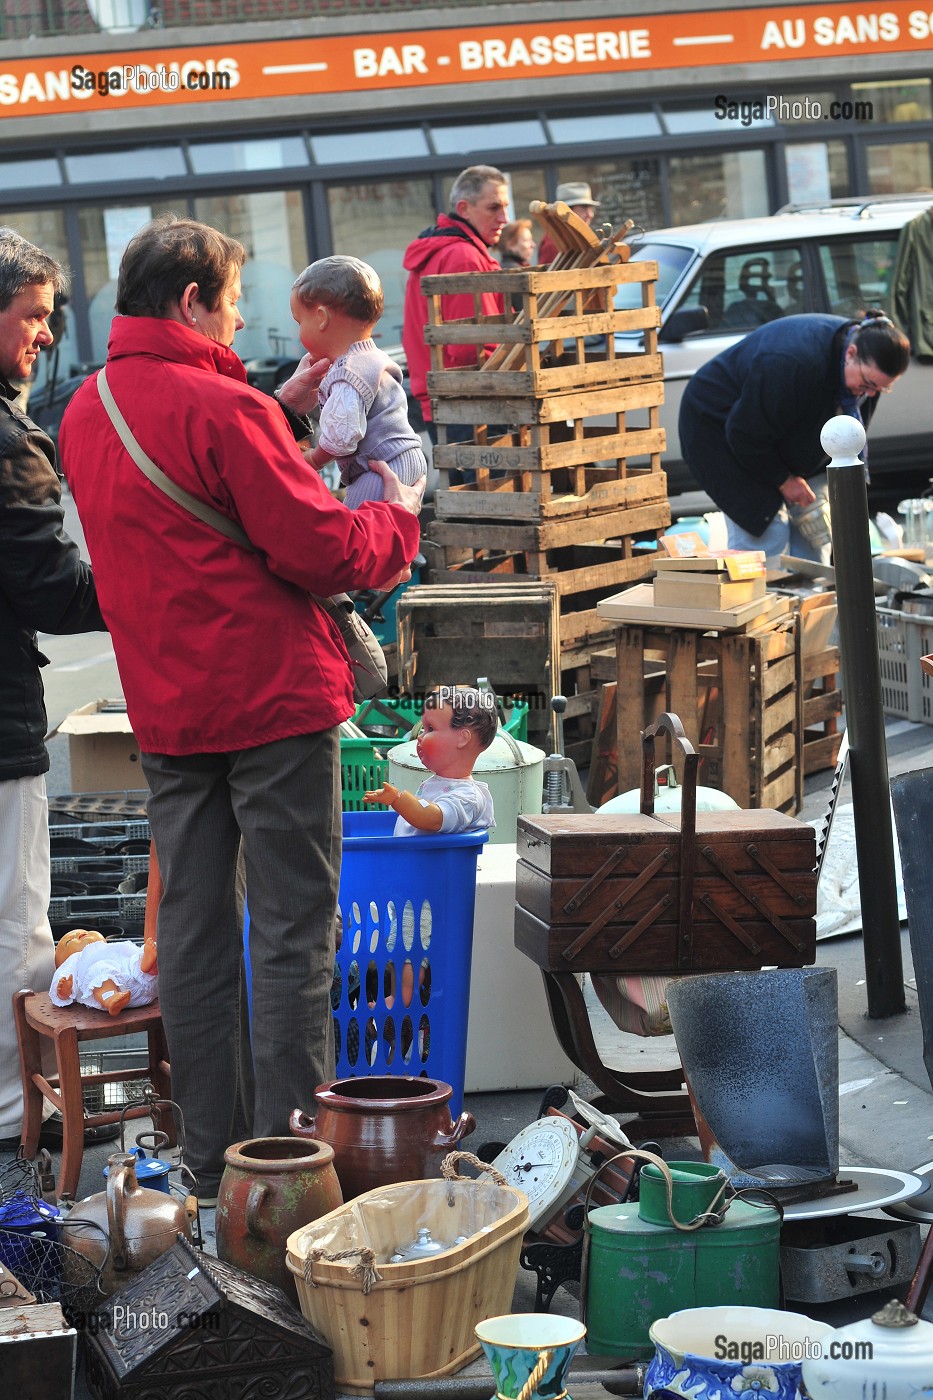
(541, 1160)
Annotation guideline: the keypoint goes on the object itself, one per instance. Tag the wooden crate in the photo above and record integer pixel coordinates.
(822, 708)
(510, 634)
(738, 697)
(561, 445)
(542, 348)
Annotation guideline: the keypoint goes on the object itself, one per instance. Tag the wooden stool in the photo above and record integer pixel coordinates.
(36, 1016)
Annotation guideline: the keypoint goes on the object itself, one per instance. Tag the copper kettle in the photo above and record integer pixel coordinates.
(123, 1229)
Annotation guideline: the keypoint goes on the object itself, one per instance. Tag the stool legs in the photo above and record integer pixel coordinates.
(71, 1090)
(30, 1064)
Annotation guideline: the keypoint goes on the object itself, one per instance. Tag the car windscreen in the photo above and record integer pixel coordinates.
(671, 260)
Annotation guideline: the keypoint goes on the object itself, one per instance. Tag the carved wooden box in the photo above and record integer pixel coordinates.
(618, 893)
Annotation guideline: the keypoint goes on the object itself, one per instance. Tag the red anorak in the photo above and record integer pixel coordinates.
(218, 649)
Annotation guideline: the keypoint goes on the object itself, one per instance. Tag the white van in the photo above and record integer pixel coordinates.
(718, 281)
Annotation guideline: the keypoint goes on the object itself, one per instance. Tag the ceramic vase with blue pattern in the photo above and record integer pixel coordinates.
(530, 1346)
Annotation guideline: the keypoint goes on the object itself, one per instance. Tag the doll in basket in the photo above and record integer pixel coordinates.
(457, 725)
(95, 973)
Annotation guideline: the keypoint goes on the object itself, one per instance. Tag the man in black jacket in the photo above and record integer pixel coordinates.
(43, 584)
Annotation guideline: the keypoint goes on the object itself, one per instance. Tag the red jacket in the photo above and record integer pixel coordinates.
(218, 649)
(451, 246)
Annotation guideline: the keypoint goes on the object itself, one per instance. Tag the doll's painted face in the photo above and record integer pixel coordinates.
(440, 746)
(74, 941)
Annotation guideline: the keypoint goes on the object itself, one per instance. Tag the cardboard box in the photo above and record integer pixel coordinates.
(103, 749)
(705, 590)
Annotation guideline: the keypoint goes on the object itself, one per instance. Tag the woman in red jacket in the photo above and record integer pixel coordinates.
(235, 679)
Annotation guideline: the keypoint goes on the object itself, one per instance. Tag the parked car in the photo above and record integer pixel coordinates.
(718, 281)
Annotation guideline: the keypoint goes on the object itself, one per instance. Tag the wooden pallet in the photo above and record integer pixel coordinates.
(738, 697)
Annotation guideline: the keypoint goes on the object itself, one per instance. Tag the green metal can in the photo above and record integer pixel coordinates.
(638, 1272)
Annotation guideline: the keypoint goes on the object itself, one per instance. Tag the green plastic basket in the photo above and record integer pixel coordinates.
(364, 763)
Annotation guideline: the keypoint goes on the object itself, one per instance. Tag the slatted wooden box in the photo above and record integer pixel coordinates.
(543, 348)
(615, 893)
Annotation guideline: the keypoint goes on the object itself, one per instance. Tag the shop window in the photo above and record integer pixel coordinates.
(105, 231)
(603, 126)
(526, 186)
(690, 121)
(858, 272)
(347, 147)
(626, 189)
(907, 101)
(717, 185)
(468, 138)
(29, 174)
(376, 221)
(272, 153)
(131, 163)
(804, 108)
(817, 170)
(899, 167)
(271, 226)
(747, 289)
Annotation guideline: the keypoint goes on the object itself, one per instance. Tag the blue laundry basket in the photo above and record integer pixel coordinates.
(401, 989)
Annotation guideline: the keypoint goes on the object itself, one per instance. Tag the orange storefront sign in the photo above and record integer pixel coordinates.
(223, 71)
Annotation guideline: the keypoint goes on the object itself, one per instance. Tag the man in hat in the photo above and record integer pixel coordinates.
(44, 584)
(578, 195)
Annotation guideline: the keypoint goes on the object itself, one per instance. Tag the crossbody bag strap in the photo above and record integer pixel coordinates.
(165, 483)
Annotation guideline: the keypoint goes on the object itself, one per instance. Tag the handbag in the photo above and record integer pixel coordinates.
(367, 661)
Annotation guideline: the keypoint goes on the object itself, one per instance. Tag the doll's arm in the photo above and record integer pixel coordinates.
(424, 818)
(65, 988)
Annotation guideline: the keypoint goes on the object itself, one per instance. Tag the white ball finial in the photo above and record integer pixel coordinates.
(843, 438)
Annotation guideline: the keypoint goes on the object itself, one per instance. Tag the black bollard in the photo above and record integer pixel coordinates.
(843, 438)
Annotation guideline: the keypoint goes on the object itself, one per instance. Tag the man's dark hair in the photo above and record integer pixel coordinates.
(22, 264)
(470, 709)
(169, 254)
(345, 284)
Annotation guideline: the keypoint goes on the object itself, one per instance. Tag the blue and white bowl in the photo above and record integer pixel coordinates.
(723, 1353)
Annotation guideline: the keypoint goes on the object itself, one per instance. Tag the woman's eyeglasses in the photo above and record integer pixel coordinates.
(867, 386)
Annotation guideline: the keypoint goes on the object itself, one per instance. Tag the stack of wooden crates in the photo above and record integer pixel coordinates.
(561, 486)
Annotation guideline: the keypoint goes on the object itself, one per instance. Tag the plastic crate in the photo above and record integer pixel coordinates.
(906, 690)
(125, 910)
(364, 763)
(401, 988)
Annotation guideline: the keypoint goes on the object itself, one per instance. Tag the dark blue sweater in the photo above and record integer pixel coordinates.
(752, 416)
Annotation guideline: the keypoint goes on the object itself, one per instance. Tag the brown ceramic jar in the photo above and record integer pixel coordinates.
(270, 1187)
(383, 1128)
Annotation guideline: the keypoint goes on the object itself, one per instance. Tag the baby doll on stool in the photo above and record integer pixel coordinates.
(96, 973)
(457, 725)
